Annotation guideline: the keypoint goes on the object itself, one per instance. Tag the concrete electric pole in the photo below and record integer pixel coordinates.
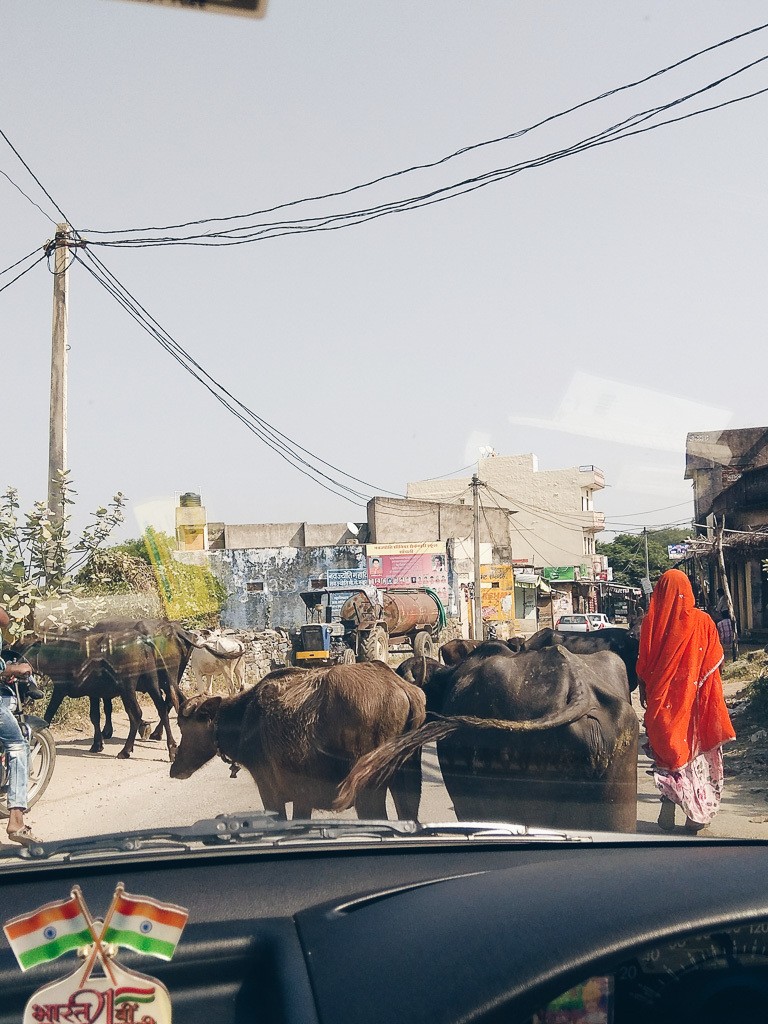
(57, 434)
(477, 604)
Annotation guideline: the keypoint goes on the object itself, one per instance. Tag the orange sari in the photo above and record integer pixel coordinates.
(679, 663)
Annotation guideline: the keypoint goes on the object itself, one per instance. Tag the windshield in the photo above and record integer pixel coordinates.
(499, 391)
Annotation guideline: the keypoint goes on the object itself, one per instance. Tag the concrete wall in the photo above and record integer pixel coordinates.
(549, 525)
(285, 535)
(283, 572)
(396, 520)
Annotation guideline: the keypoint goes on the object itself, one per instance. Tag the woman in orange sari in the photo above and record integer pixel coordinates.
(686, 718)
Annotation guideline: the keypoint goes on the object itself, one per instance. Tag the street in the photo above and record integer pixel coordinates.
(99, 794)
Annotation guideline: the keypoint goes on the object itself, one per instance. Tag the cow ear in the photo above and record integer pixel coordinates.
(209, 709)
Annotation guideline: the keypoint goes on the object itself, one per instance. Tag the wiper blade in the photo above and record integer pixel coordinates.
(265, 828)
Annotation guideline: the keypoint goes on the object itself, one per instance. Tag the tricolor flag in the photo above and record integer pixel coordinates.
(145, 925)
(47, 933)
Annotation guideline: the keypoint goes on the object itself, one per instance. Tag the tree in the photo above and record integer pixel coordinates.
(626, 554)
(38, 558)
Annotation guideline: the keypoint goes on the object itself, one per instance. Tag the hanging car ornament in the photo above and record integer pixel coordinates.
(102, 991)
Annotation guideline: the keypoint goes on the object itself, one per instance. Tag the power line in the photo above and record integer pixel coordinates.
(457, 153)
(35, 178)
(624, 129)
(22, 260)
(23, 272)
(275, 439)
(28, 198)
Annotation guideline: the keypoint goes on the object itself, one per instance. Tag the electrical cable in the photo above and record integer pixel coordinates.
(22, 260)
(26, 271)
(269, 435)
(28, 198)
(459, 152)
(37, 181)
(614, 133)
(284, 453)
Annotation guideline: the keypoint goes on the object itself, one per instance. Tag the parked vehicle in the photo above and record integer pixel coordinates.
(363, 623)
(598, 620)
(574, 624)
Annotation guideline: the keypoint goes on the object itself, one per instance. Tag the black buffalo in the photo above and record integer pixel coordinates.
(116, 659)
(545, 737)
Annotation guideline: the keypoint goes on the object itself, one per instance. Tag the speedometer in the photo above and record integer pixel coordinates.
(714, 977)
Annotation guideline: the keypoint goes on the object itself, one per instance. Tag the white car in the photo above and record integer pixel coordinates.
(598, 620)
(574, 624)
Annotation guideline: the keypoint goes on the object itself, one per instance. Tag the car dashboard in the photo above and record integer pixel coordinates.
(472, 930)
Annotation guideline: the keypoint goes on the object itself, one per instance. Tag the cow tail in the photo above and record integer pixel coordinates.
(379, 765)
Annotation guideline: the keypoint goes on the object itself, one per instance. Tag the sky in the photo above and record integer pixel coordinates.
(591, 310)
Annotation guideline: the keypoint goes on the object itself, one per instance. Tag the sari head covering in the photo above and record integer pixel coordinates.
(679, 662)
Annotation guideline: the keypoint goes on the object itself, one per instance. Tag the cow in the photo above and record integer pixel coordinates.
(116, 659)
(298, 732)
(545, 737)
(453, 652)
(624, 642)
(217, 655)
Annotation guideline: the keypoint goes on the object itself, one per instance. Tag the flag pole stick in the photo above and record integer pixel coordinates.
(98, 950)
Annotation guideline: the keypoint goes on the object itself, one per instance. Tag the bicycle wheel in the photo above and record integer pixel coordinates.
(42, 757)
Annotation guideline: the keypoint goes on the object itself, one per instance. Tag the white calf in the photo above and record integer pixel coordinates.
(217, 655)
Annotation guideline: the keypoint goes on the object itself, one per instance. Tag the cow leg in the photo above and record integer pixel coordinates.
(107, 732)
(164, 725)
(55, 702)
(133, 709)
(406, 788)
(95, 715)
(371, 804)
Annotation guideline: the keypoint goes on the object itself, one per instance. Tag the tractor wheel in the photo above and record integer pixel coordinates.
(374, 646)
(348, 657)
(424, 645)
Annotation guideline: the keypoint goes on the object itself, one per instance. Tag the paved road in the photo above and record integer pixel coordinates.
(97, 794)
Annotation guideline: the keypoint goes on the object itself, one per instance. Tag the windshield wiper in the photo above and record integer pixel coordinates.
(265, 828)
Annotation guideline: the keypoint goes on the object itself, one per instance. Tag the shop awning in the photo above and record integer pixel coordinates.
(532, 581)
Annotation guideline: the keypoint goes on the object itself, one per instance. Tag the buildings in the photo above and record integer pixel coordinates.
(537, 548)
(729, 470)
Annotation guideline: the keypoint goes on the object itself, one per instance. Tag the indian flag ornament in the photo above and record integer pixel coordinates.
(102, 991)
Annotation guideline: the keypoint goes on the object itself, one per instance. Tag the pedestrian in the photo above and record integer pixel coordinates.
(686, 719)
(16, 748)
(726, 630)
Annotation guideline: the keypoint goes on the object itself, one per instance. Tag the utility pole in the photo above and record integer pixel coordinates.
(719, 531)
(57, 434)
(647, 570)
(477, 613)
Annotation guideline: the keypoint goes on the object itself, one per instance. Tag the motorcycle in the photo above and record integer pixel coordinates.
(42, 748)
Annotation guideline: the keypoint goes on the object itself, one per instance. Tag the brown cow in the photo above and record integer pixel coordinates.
(299, 731)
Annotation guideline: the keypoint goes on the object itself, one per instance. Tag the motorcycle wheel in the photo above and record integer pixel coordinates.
(42, 758)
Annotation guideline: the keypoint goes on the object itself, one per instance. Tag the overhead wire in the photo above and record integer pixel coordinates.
(328, 222)
(274, 438)
(28, 198)
(450, 156)
(22, 260)
(23, 272)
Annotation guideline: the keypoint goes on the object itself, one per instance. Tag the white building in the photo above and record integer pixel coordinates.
(553, 521)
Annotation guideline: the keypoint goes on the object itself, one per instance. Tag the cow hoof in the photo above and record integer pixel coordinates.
(107, 732)
(172, 753)
(123, 755)
(145, 731)
(97, 748)
(158, 733)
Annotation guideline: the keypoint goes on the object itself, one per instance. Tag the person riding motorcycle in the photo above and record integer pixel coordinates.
(16, 746)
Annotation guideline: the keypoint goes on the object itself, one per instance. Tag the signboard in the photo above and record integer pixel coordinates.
(243, 8)
(560, 573)
(393, 566)
(500, 577)
(677, 551)
(351, 578)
